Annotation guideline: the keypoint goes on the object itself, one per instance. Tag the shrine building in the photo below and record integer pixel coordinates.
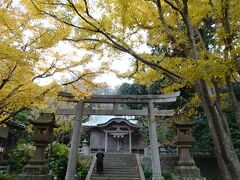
(117, 135)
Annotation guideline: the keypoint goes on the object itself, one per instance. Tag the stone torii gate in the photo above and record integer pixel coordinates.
(80, 110)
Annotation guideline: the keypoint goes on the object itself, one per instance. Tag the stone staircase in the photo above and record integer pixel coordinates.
(118, 167)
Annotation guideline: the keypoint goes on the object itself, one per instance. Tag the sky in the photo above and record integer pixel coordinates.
(122, 63)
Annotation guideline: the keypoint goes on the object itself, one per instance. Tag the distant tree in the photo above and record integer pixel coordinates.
(132, 89)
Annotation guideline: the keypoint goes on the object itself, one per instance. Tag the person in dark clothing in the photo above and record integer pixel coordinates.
(100, 156)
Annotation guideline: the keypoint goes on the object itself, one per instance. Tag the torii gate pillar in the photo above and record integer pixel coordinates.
(156, 167)
(73, 154)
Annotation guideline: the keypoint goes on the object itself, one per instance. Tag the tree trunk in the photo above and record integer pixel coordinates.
(218, 106)
(234, 102)
(226, 156)
(228, 39)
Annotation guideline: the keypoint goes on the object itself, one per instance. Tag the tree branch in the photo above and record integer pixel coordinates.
(44, 74)
(161, 16)
(81, 16)
(173, 6)
(5, 80)
(87, 9)
(81, 39)
(78, 77)
(61, 20)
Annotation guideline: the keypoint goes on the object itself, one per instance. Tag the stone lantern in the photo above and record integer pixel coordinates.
(184, 141)
(85, 148)
(37, 169)
(186, 168)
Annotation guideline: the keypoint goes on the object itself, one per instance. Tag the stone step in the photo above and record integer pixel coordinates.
(107, 157)
(119, 157)
(114, 178)
(128, 170)
(114, 159)
(125, 170)
(121, 169)
(118, 167)
(116, 174)
(118, 160)
(115, 171)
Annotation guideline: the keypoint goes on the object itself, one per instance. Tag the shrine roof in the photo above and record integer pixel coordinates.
(95, 120)
(118, 121)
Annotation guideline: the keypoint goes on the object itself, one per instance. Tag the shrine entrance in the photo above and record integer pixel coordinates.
(117, 136)
(118, 143)
(84, 107)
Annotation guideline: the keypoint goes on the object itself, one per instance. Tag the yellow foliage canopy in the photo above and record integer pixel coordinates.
(27, 54)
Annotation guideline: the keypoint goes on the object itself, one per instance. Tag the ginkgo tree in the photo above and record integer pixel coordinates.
(198, 44)
(27, 54)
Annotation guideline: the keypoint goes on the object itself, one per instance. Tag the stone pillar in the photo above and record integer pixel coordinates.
(118, 147)
(106, 141)
(130, 142)
(156, 167)
(73, 154)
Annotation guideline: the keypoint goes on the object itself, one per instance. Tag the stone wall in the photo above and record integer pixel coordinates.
(206, 163)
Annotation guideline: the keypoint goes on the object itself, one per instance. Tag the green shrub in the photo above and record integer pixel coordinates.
(19, 156)
(58, 158)
(82, 169)
(167, 175)
(148, 175)
(7, 177)
(210, 178)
